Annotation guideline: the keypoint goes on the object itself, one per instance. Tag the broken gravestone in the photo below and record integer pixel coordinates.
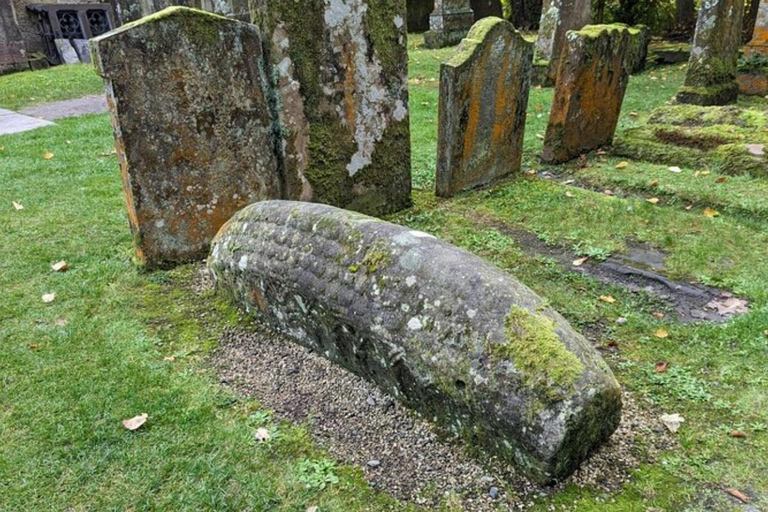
(189, 99)
(590, 89)
(753, 69)
(81, 47)
(558, 17)
(445, 332)
(483, 101)
(341, 86)
(66, 51)
(449, 23)
(711, 75)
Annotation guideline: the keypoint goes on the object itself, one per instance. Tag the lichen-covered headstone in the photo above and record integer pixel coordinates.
(558, 17)
(483, 101)
(711, 75)
(66, 51)
(447, 333)
(189, 99)
(591, 82)
(759, 42)
(637, 52)
(340, 76)
(449, 23)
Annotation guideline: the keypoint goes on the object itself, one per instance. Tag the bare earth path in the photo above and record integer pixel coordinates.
(93, 104)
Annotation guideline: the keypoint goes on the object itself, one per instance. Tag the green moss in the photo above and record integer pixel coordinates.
(595, 31)
(377, 257)
(537, 351)
(201, 24)
(354, 268)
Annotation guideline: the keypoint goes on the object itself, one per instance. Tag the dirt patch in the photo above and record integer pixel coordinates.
(399, 452)
(639, 270)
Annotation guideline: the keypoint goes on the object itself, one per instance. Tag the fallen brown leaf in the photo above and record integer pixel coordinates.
(170, 359)
(738, 434)
(661, 333)
(654, 183)
(672, 421)
(313, 508)
(675, 169)
(47, 155)
(569, 194)
(608, 299)
(661, 366)
(17, 206)
(135, 422)
(721, 179)
(60, 266)
(738, 495)
(33, 347)
(659, 314)
(579, 262)
(49, 297)
(61, 322)
(622, 165)
(709, 212)
(653, 200)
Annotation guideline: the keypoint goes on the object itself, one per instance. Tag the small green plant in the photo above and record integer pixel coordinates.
(753, 63)
(317, 474)
(596, 253)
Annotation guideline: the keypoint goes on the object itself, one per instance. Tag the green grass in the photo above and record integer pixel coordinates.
(27, 88)
(67, 387)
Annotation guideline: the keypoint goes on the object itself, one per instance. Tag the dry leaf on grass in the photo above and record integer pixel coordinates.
(262, 435)
(653, 200)
(659, 314)
(17, 206)
(579, 262)
(135, 422)
(49, 297)
(170, 359)
(729, 307)
(675, 169)
(47, 155)
(608, 299)
(654, 183)
(569, 194)
(738, 434)
(313, 508)
(738, 495)
(60, 266)
(672, 422)
(61, 322)
(661, 333)
(721, 179)
(661, 366)
(622, 165)
(711, 213)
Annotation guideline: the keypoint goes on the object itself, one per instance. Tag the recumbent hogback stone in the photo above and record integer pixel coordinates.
(340, 75)
(445, 332)
(483, 101)
(189, 100)
(591, 83)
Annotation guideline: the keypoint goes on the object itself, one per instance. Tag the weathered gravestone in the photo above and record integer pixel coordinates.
(340, 75)
(449, 23)
(558, 17)
(753, 75)
(483, 101)
(66, 51)
(637, 51)
(711, 75)
(13, 55)
(590, 89)
(443, 331)
(189, 99)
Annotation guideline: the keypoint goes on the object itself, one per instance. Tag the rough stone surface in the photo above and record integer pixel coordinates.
(12, 53)
(711, 75)
(637, 52)
(558, 17)
(66, 51)
(440, 329)
(591, 83)
(81, 48)
(754, 81)
(483, 101)
(340, 75)
(194, 136)
(449, 23)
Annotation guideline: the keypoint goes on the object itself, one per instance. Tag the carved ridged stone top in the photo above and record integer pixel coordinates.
(450, 335)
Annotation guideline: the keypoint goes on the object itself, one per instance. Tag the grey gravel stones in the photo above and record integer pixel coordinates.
(443, 331)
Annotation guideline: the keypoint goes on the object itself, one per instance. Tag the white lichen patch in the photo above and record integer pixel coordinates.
(415, 324)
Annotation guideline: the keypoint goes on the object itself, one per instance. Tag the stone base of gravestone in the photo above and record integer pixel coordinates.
(591, 84)
(81, 47)
(66, 51)
(448, 28)
(190, 103)
(483, 101)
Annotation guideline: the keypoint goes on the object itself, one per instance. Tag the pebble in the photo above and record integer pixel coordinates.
(373, 463)
(621, 320)
(494, 493)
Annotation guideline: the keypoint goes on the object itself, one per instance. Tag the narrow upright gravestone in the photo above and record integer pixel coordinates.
(341, 86)
(449, 23)
(189, 100)
(447, 333)
(558, 17)
(591, 82)
(711, 75)
(483, 101)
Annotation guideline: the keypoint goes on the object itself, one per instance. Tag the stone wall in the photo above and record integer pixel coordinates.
(12, 47)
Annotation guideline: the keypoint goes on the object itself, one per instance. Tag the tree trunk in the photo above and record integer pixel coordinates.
(600, 12)
(685, 13)
(750, 18)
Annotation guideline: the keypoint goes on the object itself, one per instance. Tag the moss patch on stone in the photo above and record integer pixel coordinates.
(537, 351)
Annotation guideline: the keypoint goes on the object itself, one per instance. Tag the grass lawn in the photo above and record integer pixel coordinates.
(116, 342)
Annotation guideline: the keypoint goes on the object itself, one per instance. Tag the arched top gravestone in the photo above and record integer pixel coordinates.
(190, 110)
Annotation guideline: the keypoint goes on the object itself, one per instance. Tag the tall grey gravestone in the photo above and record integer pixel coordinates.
(557, 18)
(483, 101)
(449, 23)
(711, 75)
(341, 84)
(189, 99)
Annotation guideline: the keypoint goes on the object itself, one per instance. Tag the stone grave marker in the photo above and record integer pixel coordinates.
(753, 78)
(449, 23)
(483, 101)
(341, 85)
(189, 99)
(711, 75)
(438, 328)
(558, 17)
(591, 83)
(66, 51)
